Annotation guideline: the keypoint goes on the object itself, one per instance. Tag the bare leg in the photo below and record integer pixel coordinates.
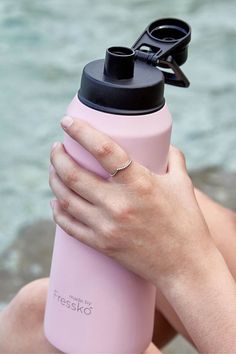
(21, 323)
(222, 225)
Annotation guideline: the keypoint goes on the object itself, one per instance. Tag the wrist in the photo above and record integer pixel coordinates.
(194, 267)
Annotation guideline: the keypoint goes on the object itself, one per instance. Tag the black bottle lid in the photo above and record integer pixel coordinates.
(128, 81)
(120, 85)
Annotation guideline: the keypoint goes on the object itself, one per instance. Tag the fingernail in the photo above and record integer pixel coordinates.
(54, 145)
(51, 168)
(52, 203)
(67, 122)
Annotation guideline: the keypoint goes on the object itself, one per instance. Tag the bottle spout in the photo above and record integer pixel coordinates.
(119, 63)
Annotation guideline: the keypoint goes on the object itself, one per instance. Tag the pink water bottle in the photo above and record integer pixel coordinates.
(94, 304)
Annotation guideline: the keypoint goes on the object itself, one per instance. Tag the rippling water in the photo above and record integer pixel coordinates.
(43, 48)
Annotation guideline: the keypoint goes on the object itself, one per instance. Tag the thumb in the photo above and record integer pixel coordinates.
(176, 161)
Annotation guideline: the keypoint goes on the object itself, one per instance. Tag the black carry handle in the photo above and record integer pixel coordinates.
(164, 43)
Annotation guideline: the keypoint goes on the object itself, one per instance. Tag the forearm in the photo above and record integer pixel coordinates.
(205, 301)
(222, 225)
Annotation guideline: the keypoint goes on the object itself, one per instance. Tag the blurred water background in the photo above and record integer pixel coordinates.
(43, 48)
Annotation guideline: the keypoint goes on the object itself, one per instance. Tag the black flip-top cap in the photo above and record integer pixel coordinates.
(122, 85)
(169, 31)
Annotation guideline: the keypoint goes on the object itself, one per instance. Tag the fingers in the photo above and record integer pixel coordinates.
(71, 226)
(108, 153)
(84, 183)
(73, 204)
(177, 163)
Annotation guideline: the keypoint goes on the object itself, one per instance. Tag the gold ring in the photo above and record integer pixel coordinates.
(127, 164)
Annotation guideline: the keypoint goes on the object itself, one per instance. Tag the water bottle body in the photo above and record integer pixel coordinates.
(94, 304)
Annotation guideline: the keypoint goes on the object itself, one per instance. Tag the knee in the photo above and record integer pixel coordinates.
(27, 307)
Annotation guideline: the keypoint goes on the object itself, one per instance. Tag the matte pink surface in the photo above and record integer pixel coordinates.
(94, 304)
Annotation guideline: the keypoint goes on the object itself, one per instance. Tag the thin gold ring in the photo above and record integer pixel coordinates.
(127, 164)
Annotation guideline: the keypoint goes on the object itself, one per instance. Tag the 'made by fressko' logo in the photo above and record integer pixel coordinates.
(73, 303)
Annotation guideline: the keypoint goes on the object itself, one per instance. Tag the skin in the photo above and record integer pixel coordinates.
(135, 197)
(28, 329)
(109, 215)
(196, 299)
(21, 323)
(222, 226)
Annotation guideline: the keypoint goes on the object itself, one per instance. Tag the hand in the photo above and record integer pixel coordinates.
(151, 224)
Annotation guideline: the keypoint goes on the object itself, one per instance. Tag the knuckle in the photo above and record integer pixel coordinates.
(125, 213)
(65, 203)
(180, 153)
(109, 231)
(64, 224)
(105, 149)
(106, 247)
(121, 211)
(144, 186)
(112, 235)
(71, 178)
(184, 180)
(109, 239)
(187, 180)
(66, 227)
